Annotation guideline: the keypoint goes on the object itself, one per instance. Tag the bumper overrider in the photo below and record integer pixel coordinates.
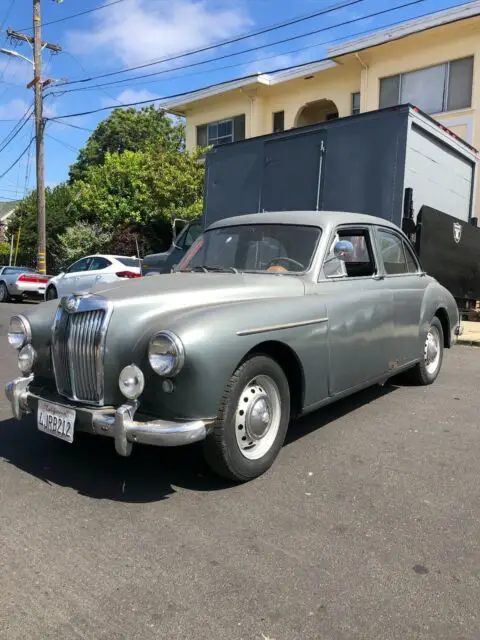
(117, 423)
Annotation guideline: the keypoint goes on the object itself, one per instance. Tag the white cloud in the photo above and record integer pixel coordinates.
(137, 31)
(14, 109)
(132, 95)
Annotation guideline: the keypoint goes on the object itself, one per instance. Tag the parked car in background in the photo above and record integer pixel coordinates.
(20, 282)
(88, 272)
(268, 316)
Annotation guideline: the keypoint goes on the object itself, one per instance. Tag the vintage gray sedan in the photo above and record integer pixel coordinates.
(267, 317)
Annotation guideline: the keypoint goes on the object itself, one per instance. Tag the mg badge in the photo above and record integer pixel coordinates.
(457, 231)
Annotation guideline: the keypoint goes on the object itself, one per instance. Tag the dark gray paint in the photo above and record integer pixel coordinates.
(349, 334)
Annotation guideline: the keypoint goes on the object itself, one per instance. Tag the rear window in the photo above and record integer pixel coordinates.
(130, 262)
(10, 270)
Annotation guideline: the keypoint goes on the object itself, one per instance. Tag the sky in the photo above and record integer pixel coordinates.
(134, 32)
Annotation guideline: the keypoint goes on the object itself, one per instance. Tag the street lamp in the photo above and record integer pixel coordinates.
(15, 54)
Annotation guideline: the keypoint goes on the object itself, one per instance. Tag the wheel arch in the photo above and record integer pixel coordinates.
(442, 314)
(291, 365)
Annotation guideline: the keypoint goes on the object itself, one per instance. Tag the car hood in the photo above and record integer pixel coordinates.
(182, 290)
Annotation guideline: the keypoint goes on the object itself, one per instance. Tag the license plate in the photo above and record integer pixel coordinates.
(56, 420)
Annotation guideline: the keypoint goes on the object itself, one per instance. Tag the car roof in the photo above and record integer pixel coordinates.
(308, 218)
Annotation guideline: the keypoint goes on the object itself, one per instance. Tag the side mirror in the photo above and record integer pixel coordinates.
(343, 250)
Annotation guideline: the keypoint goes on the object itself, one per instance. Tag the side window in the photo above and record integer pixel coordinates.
(99, 263)
(80, 265)
(361, 264)
(192, 234)
(393, 253)
(412, 265)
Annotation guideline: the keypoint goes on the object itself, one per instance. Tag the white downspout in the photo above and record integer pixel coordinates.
(364, 93)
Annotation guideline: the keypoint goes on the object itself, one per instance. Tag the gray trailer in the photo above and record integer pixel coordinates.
(363, 163)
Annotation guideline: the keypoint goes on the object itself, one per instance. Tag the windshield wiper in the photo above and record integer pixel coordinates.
(205, 268)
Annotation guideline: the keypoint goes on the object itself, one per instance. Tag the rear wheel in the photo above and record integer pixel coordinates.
(51, 293)
(427, 370)
(4, 297)
(252, 421)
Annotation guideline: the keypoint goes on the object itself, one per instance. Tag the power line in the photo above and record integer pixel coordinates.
(270, 57)
(16, 129)
(191, 52)
(68, 124)
(17, 160)
(65, 144)
(10, 7)
(262, 46)
(75, 15)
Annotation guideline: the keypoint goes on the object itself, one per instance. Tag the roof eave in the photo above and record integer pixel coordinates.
(411, 27)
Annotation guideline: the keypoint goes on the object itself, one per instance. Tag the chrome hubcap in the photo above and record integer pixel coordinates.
(257, 417)
(432, 350)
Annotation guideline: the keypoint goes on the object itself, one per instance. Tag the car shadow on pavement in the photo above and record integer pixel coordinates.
(92, 467)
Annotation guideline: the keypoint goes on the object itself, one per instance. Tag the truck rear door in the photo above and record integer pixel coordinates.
(292, 173)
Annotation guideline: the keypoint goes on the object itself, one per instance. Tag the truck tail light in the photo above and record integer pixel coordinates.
(127, 274)
(37, 279)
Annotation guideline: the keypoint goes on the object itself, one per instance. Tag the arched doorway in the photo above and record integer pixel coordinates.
(318, 111)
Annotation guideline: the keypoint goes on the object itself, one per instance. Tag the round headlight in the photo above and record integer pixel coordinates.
(166, 354)
(19, 333)
(26, 359)
(131, 382)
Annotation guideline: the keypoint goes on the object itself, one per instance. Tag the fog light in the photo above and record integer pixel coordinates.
(168, 386)
(26, 359)
(131, 382)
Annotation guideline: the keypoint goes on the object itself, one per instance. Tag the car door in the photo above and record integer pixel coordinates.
(406, 280)
(69, 282)
(98, 272)
(360, 312)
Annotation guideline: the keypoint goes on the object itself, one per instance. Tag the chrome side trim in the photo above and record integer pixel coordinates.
(279, 327)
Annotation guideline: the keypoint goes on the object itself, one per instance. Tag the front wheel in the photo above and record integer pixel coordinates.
(51, 293)
(427, 370)
(252, 422)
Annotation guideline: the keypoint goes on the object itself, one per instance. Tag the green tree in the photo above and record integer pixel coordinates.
(60, 212)
(81, 239)
(129, 130)
(142, 189)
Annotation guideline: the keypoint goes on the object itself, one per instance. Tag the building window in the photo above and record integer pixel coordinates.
(278, 121)
(444, 87)
(355, 103)
(221, 131)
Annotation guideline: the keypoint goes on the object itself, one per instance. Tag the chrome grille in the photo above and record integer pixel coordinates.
(77, 351)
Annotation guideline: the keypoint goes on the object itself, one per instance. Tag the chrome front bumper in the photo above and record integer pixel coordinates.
(118, 424)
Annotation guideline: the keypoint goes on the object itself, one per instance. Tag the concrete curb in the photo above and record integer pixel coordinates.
(468, 343)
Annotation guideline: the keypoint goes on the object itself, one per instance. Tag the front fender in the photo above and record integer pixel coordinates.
(217, 338)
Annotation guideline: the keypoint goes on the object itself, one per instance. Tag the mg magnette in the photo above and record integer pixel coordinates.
(267, 317)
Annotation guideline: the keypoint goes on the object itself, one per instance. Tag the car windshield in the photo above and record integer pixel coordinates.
(278, 248)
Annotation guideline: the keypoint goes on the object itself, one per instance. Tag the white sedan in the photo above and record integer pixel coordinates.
(87, 272)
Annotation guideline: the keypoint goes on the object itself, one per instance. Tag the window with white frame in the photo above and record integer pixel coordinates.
(436, 89)
(355, 103)
(221, 131)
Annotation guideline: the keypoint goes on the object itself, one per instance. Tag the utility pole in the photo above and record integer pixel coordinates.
(38, 85)
(39, 139)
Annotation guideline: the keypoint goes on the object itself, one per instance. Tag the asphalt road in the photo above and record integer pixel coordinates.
(367, 527)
